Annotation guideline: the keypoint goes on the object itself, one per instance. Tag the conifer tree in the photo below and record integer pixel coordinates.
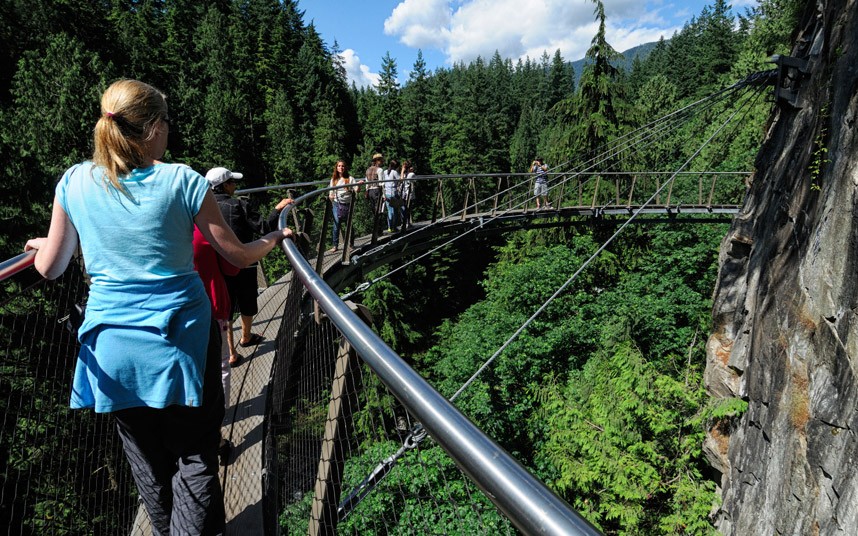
(386, 116)
(594, 113)
(416, 115)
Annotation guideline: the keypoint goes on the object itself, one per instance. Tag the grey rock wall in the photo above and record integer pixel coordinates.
(785, 331)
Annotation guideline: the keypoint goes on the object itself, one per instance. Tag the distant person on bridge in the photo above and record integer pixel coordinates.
(373, 191)
(392, 196)
(341, 199)
(540, 188)
(407, 191)
(245, 221)
(149, 350)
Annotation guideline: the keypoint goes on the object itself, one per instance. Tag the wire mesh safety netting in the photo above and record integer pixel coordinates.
(63, 471)
(350, 459)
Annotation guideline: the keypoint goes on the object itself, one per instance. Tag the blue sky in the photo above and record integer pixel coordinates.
(449, 31)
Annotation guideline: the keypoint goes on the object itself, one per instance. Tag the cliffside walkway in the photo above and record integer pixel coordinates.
(322, 411)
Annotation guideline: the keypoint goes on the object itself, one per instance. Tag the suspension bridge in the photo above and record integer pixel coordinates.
(323, 411)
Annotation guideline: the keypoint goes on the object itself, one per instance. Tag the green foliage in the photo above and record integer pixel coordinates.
(820, 150)
(622, 445)
(724, 408)
(601, 394)
(405, 499)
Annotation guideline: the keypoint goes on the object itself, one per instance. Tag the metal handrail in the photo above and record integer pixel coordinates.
(526, 501)
(12, 266)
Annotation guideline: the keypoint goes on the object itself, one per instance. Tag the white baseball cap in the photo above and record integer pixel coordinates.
(219, 175)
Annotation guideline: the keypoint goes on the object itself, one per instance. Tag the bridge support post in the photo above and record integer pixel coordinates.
(329, 478)
(439, 201)
(320, 251)
(348, 236)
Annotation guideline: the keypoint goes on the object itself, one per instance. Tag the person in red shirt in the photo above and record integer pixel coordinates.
(212, 269)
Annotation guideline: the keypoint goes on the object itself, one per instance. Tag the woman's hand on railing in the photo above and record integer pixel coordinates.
(35, 243)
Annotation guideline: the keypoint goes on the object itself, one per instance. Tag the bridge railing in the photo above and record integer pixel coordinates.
(63, 471)
(355, 417)
(440, 198)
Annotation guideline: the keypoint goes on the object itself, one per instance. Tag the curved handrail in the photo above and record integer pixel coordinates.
(12, 266)
(526, 501)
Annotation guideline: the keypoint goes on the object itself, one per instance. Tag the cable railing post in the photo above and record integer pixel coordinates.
(320, 250)
(658, 189)
(467, 198)
(670, 192)
(595, 191)
(348, 237)
(711, 191)
(495, 197)
(527, 196)
(632, 191)
(561, 195)
(617, 189)
(376, 212)
(332, 459)
(700, 189)
(439, 201)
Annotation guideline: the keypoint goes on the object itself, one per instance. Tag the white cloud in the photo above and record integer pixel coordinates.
(356, 71)
(420, 23)
(527, 28)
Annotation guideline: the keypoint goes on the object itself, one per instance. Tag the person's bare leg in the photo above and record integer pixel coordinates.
(230, 338)
(246, 324)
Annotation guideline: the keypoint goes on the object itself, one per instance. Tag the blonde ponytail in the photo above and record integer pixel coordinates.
(130, 110)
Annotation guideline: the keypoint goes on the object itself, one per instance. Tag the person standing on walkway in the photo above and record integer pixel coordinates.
(540, 188)
(341, 199)
(392, 195)
(149, 351)
(245, 222)
(374, 174)
(213, 270)
(407, 191)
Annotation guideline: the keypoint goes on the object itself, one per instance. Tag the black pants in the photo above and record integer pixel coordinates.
(174, 459)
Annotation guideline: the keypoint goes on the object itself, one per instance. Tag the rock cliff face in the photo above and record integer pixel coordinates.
(786, 306)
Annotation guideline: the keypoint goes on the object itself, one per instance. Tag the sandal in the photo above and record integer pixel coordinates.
(255, 339)
(234, 360)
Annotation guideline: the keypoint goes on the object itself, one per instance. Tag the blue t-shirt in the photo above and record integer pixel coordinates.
(145, 332)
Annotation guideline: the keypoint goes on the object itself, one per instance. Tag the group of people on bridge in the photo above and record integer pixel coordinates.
(389, 190)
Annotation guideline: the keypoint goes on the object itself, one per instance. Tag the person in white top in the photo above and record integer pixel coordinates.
(341, 199)
(392, 195)
(407, 191)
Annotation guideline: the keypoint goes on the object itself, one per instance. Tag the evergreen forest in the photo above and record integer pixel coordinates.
(602, 396)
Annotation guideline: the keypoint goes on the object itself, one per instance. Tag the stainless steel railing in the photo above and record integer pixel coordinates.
(526, 501)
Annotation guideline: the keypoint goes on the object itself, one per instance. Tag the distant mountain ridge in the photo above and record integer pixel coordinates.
(625, 63)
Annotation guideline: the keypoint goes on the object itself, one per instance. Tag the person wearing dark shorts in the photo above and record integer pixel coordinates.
(245, 221)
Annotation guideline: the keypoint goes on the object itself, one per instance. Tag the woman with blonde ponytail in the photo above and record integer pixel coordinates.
(150, 351)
